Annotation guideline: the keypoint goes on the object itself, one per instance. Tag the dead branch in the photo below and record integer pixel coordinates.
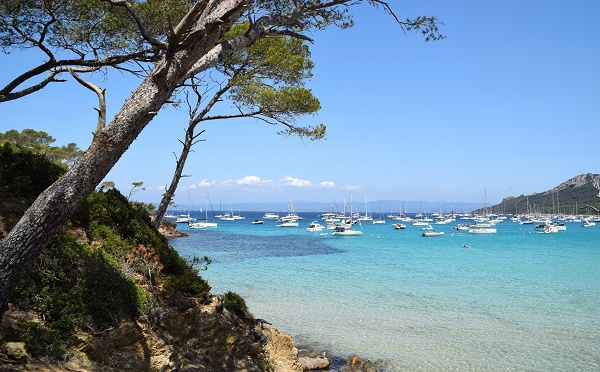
(101, 93)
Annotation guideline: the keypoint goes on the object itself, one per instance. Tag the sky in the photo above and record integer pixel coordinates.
(508, 104)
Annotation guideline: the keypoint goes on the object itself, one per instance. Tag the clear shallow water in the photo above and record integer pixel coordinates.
(514, 301)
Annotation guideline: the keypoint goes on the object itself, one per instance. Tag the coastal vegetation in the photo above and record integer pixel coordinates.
(109, 268)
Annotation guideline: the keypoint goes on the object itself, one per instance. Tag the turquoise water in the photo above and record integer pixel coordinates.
(514, 301)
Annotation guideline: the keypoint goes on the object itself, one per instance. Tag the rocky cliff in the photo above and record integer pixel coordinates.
(578, 195)
(203, 337)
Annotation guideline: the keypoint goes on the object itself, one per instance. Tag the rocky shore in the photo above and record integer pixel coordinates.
(178, 334)
(203, 337)
(169, 230)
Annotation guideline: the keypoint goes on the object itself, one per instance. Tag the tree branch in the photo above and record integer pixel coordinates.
(57, 66)
(131, 10)
(101, 93)
(290, 34)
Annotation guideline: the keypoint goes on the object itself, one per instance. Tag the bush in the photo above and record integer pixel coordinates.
(73, 286)
(234, 302)
(41, 341)
(24, 174)
(188, 283)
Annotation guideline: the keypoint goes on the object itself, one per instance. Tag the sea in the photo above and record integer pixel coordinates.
(517, 300)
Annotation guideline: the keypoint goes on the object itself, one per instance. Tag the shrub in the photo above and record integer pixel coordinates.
(73, 286)
(234, 302)
(187, 283)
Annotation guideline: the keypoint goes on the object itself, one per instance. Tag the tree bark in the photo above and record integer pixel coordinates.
(54, 206)
(166, 199)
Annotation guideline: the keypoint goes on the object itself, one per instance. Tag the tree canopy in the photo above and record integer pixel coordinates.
(265, 81)
(40, 142)
(87, 35)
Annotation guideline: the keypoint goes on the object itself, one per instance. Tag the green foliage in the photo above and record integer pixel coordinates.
(39, 143)
(110, 217)
(42, 341)
(74, 286)
(136, 186)
(24, 174)
(267, 79)
(187, 283)
(234, 302)
(106, 185)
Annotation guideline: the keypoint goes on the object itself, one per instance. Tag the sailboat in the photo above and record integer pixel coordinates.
(182, 218)
(381, 220)
(204, 223)
(291, 218)
(366, 217)
(484, 227)
(347, 229)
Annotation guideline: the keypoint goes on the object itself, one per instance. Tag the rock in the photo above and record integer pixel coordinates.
(369, 367)
(354, 360)
(281, 351)
(309, 364)
(14, 352)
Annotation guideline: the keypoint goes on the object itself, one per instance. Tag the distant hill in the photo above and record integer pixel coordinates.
(580, 194)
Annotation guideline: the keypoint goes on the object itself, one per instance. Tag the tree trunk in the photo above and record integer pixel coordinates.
(55, 205)
(166, 199)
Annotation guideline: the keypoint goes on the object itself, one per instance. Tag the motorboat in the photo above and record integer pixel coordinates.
(588, 223)
(346, 223)
(343, 231)
(462, 227)
(399, 226)
(197, 225)
(225, 217)
(549, 229)
(201, 224)
(482, 230)
(182, 218)
(257, 222)
(431, 233)
(291, 223)
(271, 216)
(315, 227)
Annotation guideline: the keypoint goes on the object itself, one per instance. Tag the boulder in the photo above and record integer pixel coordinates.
(14, 353)
(309, 364)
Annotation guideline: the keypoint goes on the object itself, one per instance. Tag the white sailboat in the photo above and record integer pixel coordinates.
(484, 226)
(347, 229)
(291, 217)
(271, 215)
(380, 220)
(204, 223)
(366, 217)
(182, 218)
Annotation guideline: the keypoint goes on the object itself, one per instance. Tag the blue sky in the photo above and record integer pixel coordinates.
(509, 102)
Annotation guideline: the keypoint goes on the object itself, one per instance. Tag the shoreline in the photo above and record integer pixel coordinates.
(288, 351)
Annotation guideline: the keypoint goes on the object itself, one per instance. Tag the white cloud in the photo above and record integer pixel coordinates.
(296, 182)
(249, 181)
(327, 185)
(201, 184)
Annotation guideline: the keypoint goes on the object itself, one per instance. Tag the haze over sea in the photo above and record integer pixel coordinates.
(514, 301)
